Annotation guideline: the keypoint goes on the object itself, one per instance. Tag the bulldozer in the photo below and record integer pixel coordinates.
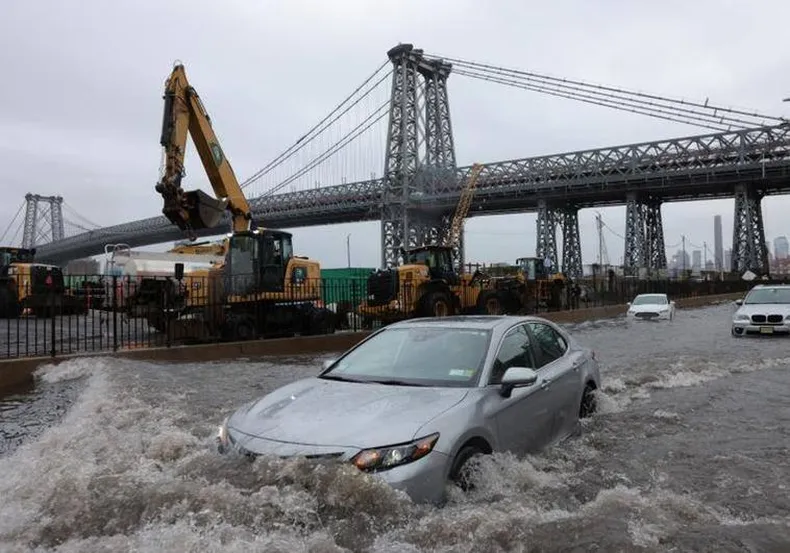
(426, 283)
(530, 288)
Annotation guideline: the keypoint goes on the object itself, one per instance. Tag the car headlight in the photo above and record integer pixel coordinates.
(223, 440)
(383, 458)
(741, 317)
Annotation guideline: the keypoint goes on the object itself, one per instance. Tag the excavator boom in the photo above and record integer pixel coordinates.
(464, 204)
(184, 115)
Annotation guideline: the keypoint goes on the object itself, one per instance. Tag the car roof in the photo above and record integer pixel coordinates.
(651, 294)
(482, 322)
(780, 286)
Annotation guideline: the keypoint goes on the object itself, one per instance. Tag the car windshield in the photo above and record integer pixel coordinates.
(424, 356)
(651, 299)
(768, 295)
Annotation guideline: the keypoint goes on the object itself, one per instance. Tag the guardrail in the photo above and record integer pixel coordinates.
(99, 313)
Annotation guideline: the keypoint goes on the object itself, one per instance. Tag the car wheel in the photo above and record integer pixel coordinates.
(732, 331)
(589, 403)
(463, 468)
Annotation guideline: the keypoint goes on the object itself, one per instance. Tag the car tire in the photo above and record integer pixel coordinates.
(459, 475)
(734, 335)
(589, 402)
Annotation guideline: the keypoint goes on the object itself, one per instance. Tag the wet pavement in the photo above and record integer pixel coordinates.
(689, 452)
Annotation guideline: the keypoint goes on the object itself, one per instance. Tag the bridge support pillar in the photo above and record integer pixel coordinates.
(546, 235)
(420, 154)
(51, 215)
(567, 218)
(644, 235)
(571, 243)
(749, 252)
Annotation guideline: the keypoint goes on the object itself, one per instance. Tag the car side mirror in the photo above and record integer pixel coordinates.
(517, 377)
(328, 362)
(739, 302)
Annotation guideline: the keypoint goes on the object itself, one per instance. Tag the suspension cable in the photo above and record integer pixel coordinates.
(18, 211)
(488, 68)
(304, 140)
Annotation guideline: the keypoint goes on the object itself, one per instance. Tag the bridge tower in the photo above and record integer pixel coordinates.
(43, 220)
(566, 217)
(420, 155)
(749, 252)
(644, 235)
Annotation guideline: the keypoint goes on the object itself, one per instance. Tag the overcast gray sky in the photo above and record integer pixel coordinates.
(80, 100)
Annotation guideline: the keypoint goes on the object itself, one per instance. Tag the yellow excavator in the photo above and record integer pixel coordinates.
(264, 289)
(427, 284)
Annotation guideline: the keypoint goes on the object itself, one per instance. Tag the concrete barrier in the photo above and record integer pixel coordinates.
(19, 372)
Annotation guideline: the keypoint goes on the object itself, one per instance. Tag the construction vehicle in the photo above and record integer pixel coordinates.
(427, 284)
(30, 287)
(263, 287)
(529, 287)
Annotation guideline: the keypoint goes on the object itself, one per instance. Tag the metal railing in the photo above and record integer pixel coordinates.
(112, 313)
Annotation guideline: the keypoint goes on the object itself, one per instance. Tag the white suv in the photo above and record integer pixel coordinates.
(764, 310)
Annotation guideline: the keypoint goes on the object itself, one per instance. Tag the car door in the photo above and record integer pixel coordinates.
(560, 369)
(523, 419)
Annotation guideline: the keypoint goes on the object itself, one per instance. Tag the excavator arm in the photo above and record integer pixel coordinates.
(194, 210)
(464, 204)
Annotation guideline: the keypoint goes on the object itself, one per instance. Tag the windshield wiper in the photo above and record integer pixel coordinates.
(394, 382)
(340, 378)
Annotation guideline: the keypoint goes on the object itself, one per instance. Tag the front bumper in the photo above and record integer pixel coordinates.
(742, 328)
(652, 316)
(423, 480)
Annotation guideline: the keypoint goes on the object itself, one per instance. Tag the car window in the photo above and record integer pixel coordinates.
(549, 344)
(430, 356)
(514, 351)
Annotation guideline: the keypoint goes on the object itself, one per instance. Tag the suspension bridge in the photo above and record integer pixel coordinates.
(400, 115)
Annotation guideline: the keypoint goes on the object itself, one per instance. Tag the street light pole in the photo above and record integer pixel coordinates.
(348, 249)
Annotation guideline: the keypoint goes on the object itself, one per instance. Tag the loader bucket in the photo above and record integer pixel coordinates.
(204, 211)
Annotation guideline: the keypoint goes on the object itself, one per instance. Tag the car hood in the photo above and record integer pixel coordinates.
(648, 308)
(322, 412)
(764, 309)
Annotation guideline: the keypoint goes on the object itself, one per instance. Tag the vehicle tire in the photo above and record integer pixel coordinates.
(732, 331)
(462, 467)
(9, 305)
(437, 304)
(589, 403)
(243, 329)
(490, 303)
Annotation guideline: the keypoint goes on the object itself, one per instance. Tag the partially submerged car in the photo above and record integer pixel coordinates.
(764, 310)
(416, 400)
(649, 307)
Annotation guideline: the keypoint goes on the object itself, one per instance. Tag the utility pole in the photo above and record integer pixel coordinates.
(704, 255)
(348, 249)
(599, 222)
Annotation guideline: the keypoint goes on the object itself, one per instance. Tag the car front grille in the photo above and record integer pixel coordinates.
(646, 315)
(770, 319)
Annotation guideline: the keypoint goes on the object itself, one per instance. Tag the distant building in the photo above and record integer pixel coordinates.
(781, 248)
(718, 251)
(696, 260)
(709, 265)
(727, 259)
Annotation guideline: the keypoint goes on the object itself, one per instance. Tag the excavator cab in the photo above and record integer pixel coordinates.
(533, 268)
(438, 259)
(256, 262)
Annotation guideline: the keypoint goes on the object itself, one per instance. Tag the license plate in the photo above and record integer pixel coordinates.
(766, 330)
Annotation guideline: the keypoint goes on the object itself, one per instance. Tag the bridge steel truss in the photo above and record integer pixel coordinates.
(745, 164)
(51, 216)
(420, 154)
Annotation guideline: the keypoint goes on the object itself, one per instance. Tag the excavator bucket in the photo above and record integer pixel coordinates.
(204, 211)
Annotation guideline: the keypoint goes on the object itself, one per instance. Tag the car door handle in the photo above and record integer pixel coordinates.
(576, 365)
(545, 384)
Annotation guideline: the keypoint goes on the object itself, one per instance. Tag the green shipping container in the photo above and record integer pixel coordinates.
(345, 284)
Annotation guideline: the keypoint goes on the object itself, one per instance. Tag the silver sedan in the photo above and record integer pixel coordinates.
(414, 402)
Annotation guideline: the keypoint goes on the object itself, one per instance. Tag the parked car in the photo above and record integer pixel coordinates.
(764, 310)
(416, 400)
(648, 307)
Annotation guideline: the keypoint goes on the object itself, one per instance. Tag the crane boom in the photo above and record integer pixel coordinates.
(193, 210)
(464, 204)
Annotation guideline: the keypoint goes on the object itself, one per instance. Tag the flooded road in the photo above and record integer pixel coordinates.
(689, 452)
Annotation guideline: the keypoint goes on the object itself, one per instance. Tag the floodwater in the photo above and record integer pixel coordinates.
(689, 452)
